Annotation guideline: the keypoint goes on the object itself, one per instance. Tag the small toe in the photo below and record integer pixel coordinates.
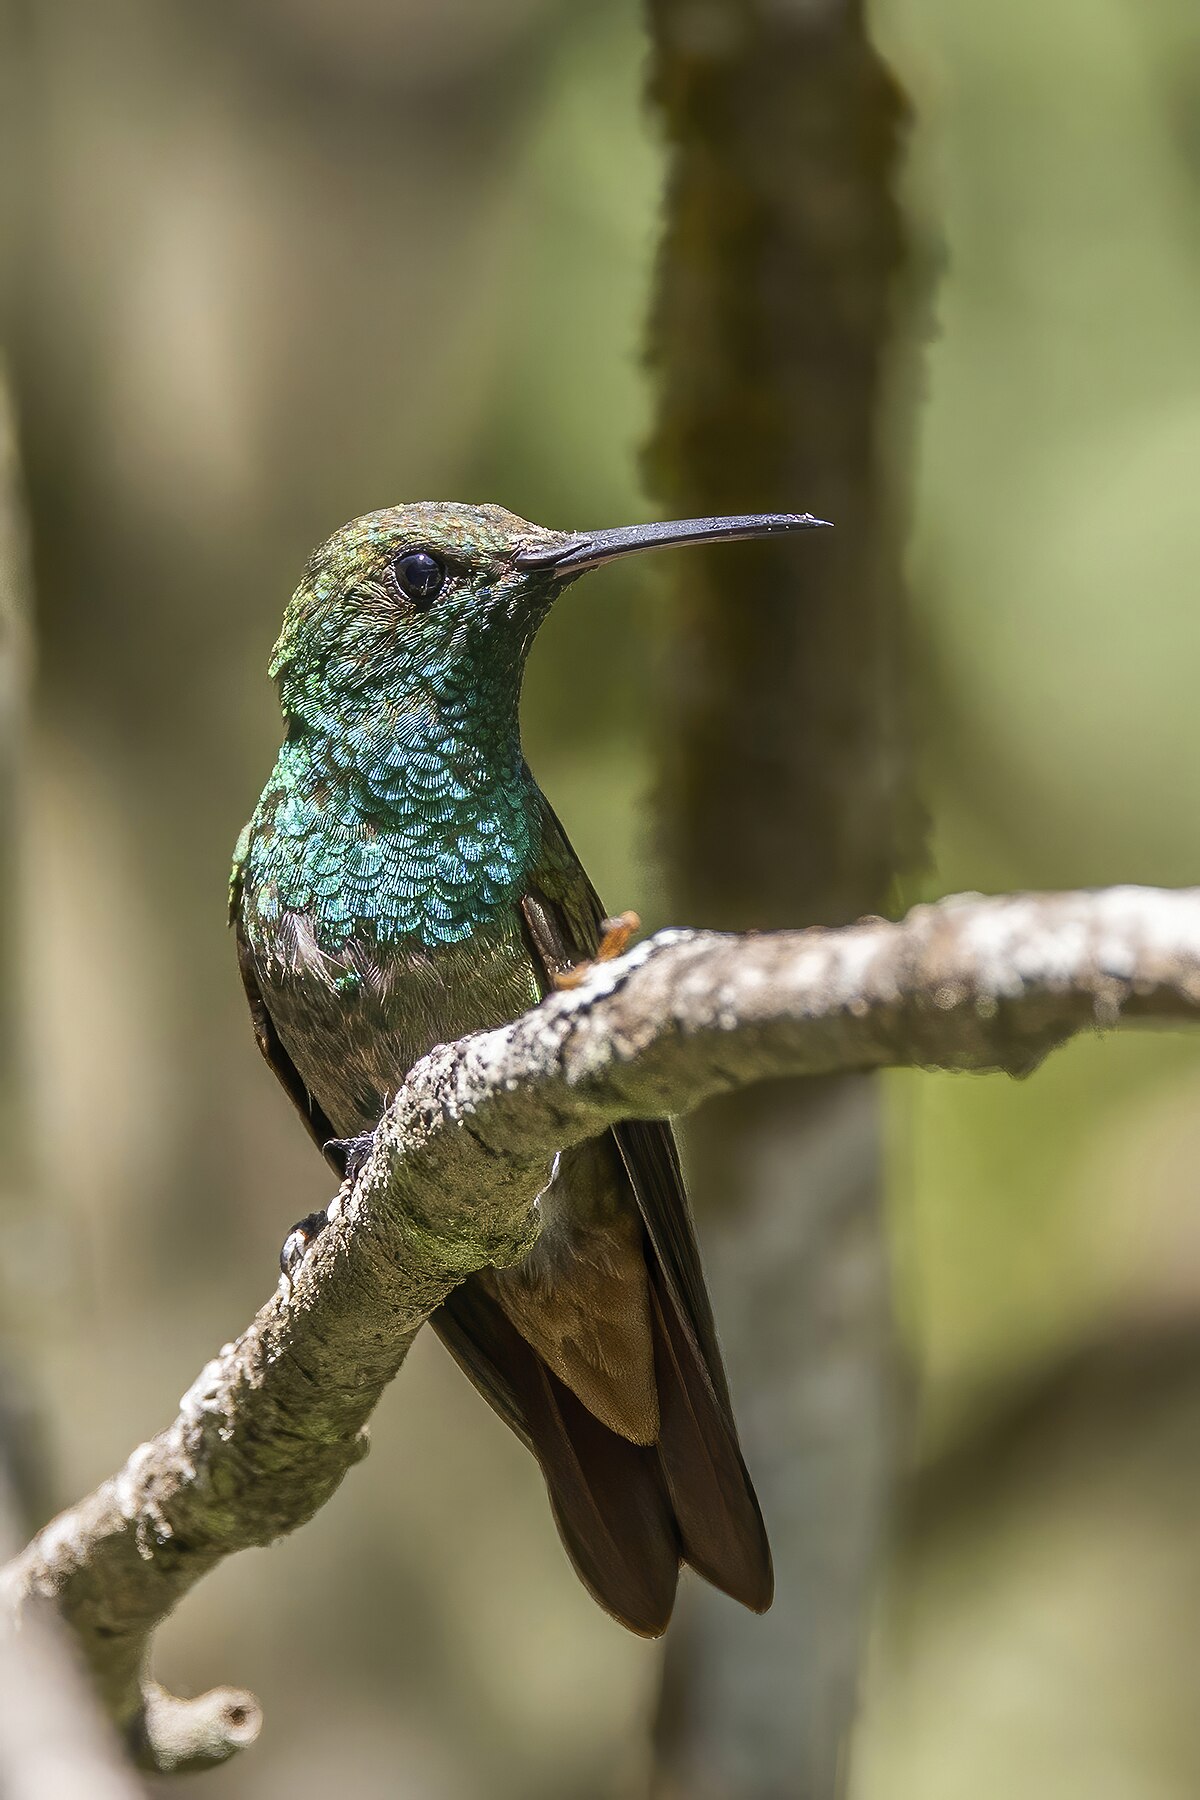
(299, 1238)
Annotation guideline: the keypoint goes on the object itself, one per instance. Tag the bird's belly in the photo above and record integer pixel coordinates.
(356, 1026)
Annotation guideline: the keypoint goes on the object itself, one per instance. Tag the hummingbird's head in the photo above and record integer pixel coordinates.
(407, 596)
(433, 597)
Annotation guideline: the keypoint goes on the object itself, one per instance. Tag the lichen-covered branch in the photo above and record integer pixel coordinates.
(272, 1424)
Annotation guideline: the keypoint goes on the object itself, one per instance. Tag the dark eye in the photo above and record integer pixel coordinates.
(419, 575)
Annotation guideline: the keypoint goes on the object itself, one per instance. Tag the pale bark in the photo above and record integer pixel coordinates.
(54, 1745)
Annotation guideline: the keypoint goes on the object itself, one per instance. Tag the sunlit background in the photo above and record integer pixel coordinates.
(280, 264)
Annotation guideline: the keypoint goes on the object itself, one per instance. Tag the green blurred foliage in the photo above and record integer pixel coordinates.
(1054, 567)
(279, 264)
(1037, 1636)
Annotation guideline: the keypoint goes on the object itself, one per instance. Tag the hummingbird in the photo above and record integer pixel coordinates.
(403, 882)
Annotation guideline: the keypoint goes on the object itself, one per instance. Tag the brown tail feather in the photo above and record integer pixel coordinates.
(612, 1511)
(627, 1512)
(715, 1508)
(607, 1495)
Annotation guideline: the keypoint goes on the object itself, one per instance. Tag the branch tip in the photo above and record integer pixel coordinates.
(173, 1735)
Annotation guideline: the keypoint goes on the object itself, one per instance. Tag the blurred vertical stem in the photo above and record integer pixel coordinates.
(14, 686)
(53, 1740)
(785, 799)
(21, 1471)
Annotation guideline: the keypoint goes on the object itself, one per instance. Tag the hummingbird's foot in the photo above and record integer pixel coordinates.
(296, 1243)
(355, 1151)
(615, 935)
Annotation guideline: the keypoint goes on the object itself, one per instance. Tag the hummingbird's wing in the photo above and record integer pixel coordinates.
(607, 1493)
(713, 1513)
(268, 1041)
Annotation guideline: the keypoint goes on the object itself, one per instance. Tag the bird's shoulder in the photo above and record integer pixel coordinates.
(561, 907)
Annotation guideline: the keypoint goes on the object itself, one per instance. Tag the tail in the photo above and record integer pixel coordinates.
(630, 1514)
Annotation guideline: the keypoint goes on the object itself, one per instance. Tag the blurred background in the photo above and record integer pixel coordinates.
(270, 266)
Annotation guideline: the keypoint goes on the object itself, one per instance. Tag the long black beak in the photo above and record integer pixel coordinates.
(587, 550)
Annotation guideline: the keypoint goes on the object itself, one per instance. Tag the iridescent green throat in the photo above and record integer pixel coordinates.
(402, 814)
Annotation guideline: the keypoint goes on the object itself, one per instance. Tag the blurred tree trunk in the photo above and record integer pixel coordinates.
(52, 1741)
(19, 1447)
(14, 682)
(785, 800)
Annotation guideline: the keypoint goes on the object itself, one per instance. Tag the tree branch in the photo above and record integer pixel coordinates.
(271, 1425)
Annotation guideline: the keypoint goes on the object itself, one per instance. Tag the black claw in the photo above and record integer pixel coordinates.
(355, 1151)
(297, 1241)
